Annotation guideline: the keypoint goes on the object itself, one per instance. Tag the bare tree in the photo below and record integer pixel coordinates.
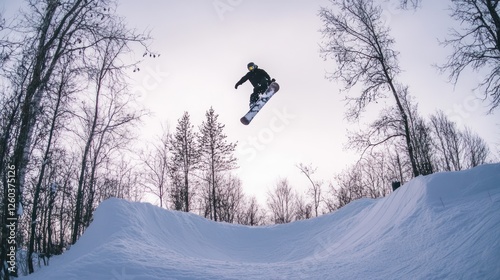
(315, 189)
(61, 90)
(122, 180)
(55, 34)
(421, 140)
(157, 171)
(349, 188)
(281, 201)
(380, 170)
(251, 214)
(423, 147)
(107, 118)
(410, 4)
(65, 170)
(476, 44)
(42, 54)
(6, 44)
(9, 123)
(370, 177)
(358, 41)
(303, 209)
(456, 149)
(475, 149)
(447, 142)
(388, 130)
(230, 197)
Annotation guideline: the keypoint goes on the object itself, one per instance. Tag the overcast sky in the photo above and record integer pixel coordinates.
(205, 46)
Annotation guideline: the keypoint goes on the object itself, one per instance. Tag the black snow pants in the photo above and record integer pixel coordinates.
(256, 91)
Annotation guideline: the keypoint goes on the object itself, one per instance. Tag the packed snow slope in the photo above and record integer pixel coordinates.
(441, 226)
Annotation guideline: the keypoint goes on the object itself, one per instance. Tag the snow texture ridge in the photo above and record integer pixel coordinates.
(441, 226)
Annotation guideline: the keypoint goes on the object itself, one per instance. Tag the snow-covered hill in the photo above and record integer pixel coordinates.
(442, 226)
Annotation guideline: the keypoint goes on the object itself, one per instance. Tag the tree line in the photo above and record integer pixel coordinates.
(400, 143)
(189, 170)
(66, 116)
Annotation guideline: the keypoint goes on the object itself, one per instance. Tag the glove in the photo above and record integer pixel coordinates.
(273, 80)
(236, 86)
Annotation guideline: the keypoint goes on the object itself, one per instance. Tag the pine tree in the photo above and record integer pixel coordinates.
(216, 155)
(185, 156)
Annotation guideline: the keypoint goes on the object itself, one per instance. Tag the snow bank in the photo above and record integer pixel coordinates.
(442, 226)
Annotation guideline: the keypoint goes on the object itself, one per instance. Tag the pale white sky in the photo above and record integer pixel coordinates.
(206, 45)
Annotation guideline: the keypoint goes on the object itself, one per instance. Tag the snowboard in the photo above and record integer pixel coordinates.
(270, 91)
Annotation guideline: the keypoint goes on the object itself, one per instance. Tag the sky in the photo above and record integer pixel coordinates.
(206, 45)
(205, 51)
(384, 238)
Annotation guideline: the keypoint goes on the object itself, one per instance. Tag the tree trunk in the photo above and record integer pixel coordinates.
(40, 180)
(214, 200)
(81, 180)
(186, 190)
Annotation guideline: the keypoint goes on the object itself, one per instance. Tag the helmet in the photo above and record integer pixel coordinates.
(252, 66)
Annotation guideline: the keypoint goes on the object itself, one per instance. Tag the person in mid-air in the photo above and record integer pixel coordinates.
(260, 81)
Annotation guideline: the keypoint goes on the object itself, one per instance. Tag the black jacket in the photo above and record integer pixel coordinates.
(257, 77)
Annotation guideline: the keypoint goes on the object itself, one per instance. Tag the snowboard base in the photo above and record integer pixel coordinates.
(244, 121)
(270, 91)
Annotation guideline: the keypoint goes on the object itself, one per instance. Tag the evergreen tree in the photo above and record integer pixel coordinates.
(216, 155)
(185, 157)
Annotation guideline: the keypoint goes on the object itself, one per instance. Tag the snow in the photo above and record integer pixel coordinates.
(441, 226)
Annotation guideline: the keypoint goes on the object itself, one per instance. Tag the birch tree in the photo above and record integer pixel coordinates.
(156, 168)
(360, 44)
(476, 45)
(315, 189)
(106, 116)
(281, 200)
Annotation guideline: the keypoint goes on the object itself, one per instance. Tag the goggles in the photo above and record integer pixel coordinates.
(251, 67)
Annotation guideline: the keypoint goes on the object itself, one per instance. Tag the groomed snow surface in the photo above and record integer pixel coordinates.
(441, 226)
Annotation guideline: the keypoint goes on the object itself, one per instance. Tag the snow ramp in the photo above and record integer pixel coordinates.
(441, 226)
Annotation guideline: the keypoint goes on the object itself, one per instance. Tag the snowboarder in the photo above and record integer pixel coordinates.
(260, 81)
